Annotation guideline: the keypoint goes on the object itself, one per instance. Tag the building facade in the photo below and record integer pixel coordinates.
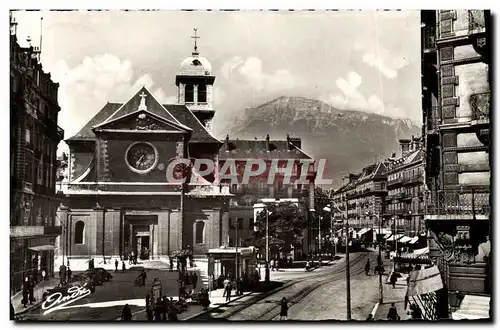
(34, 136)
(456, 102)
(119, 199)
(405, 205)
(278, 153)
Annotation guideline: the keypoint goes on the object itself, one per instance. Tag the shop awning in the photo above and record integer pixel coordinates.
(413, 240)
(473, 308)
(421, 251)
(405, 239)
(364, 231)
(394, 237)
(42, 248)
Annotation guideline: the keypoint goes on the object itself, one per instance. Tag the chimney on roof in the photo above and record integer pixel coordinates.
(268, 147)
(416, 143)
(405, 146)
(226, 143)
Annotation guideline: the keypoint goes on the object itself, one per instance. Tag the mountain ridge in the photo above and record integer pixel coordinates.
(347, 139)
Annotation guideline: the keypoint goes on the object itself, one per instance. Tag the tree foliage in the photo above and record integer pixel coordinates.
(286, 224)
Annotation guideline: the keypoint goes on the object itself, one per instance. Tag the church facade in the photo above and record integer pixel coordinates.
(118, 199)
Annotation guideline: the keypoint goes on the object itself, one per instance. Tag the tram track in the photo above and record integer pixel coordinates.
(267, 309)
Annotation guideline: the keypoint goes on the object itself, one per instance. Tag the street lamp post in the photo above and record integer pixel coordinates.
(267, 244)
(319, 240)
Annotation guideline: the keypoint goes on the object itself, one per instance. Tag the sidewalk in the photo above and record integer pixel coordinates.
(40, 288)
(396, 296)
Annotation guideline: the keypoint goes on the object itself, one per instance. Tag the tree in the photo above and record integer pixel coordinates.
(286, 224)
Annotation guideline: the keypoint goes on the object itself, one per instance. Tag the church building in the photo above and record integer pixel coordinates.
(118, 199)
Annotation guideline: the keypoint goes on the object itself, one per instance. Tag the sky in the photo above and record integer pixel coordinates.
(357, 60)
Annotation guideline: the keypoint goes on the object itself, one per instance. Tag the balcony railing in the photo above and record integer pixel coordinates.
(395, 181)
(429, 36)
(459, 202)
(480, 105)
(413, 179)
(476, 21)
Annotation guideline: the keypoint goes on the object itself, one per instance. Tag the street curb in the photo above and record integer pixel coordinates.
(29, 309)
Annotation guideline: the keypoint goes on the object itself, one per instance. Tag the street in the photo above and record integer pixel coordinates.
(318, 295)
(110, 297)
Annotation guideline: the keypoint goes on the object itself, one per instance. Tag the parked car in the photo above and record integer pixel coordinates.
(100, 275)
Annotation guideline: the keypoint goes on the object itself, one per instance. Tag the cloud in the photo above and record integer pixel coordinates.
(85, 88)
(386, 62)
(352, 99)
(251, 72)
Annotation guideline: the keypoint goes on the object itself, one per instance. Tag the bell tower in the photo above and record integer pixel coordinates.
(195, 85)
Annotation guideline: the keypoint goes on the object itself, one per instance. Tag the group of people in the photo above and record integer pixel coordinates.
(162, 310)
(28, 290)
(132, 258)
(65, 274)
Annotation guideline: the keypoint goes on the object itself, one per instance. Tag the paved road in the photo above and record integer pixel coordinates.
(109, 299)
(295, 288)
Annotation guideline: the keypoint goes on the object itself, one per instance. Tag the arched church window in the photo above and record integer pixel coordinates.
(79, 232)
(189, 93)
(202, 93)
(199, 228)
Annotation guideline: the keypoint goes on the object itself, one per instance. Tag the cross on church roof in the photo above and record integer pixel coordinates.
(195, 37)
(142, 105)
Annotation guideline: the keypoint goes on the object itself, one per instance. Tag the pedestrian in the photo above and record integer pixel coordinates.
(69, 274)
(284, 309)
(164, 309)
(393, 279)
(116, 265)
(31, 289)
(130, 258)
(393, 313)
(171, 260)
(416, 312)
(25, 296)
(149, 312)
(126, 313)
(195, 279)
(367, 267)
(123, 266)
(228, 291)
(226, 284)
(240, 286)
(158, 309)
(143, 277)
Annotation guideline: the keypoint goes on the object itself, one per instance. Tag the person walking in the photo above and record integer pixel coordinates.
(225, 284)
(143, 277)
(149, 312)
(123, 266)
(367, 267)
(393, 279)
(70, 273)
(164, 310)
(284, 309)
(228, 289)
(116, 265)
(171, 261)
(393, 313)
(195, 279)
(126, 313)
(158, 309)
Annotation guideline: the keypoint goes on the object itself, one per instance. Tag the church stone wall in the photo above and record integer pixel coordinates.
(113, 161)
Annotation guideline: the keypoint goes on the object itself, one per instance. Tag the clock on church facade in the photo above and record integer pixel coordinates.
(141, 157)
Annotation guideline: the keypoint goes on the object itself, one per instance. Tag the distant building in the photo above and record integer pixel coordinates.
(404, 203)
(456, 101)
(246, 196)
(34, 136)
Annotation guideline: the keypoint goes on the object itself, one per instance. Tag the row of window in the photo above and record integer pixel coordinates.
(414, 172)
(38, 142)
(413, 191)
(37, 171)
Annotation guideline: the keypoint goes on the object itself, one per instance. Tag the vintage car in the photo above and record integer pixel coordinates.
(100, 275)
